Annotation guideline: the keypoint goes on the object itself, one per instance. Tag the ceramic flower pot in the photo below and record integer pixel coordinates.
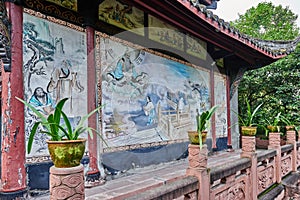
(194, 137)
(290, 128)
(273, 129)
(66, 153)
(248, 130)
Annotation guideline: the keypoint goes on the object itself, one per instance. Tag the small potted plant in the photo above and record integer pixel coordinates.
(248, 127)
(65, 147)
(273, 126)
(289, 124)
(203, 122)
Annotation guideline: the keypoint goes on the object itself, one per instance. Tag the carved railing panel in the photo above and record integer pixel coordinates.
(235, 186)
(286, 162)
(298, 154)
(266, 174)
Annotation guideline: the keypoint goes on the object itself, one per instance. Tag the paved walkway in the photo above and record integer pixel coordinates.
(141, 179)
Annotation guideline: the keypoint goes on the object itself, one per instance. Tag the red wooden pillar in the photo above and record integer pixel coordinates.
(13, 175)
(229, 143)
(212, 103)
(93, 175)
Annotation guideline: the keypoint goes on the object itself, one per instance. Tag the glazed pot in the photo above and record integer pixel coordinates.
(248, 130)
(273, 129)
(290, 128)
(194, 137)
(66, 153)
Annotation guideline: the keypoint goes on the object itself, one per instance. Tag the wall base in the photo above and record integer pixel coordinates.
(13, 195)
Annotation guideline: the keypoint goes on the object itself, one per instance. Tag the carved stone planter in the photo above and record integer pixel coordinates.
(248, 144)
(67, 183)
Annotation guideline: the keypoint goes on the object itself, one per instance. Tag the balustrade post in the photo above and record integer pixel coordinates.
(67, 183)
(198, 168)
(274, 143)
(291, 139)
(248, 151)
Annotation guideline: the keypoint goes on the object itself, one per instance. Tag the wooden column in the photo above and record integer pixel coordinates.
(229, 142)
(212, 103)
(93, 175)
(13, 175)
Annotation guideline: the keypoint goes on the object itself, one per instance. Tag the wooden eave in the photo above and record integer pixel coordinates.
(190, 18)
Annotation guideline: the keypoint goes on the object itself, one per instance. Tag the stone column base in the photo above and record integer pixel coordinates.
(67, 183)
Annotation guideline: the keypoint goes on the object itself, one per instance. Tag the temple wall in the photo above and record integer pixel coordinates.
(150, 99)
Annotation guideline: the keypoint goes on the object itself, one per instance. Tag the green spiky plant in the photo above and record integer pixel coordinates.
(203, 122)
(55, 127)
(248, 120)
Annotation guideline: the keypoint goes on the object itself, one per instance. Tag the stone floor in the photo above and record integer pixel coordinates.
(141, 179)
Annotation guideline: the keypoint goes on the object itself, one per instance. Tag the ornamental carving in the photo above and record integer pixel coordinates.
(248, 144)
(274, 139)
(67, 184)
(298, 157)
(236, 192)
(286, 166)
(265, 178)
(54, 10)
(5, 40)
(291, 136)
(197, 158)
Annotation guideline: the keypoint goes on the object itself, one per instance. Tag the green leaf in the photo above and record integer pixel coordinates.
(31, 136)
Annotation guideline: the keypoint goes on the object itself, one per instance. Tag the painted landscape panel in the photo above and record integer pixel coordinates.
(148, 98)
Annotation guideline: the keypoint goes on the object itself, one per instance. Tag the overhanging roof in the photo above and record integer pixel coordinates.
(195, 19)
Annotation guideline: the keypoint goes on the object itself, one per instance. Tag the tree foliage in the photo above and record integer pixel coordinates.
(268, 22)
(277, 86)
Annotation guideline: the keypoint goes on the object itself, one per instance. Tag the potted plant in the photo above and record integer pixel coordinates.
(203, 121)
(65, 146)
(248, 127)
(274, 125)
(289, 124)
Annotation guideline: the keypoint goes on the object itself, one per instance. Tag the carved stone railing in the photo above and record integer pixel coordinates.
(266, 170)
(230, 180)
(248, 177)
(186, 186)
(286, 159)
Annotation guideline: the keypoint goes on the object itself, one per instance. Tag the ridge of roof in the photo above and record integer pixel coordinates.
(273, 48)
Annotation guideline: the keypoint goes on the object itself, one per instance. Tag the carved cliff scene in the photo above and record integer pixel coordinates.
(54, 67)
(148, 98)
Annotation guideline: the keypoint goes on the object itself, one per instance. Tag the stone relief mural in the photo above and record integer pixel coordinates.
(148, 98)
(54, 68)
